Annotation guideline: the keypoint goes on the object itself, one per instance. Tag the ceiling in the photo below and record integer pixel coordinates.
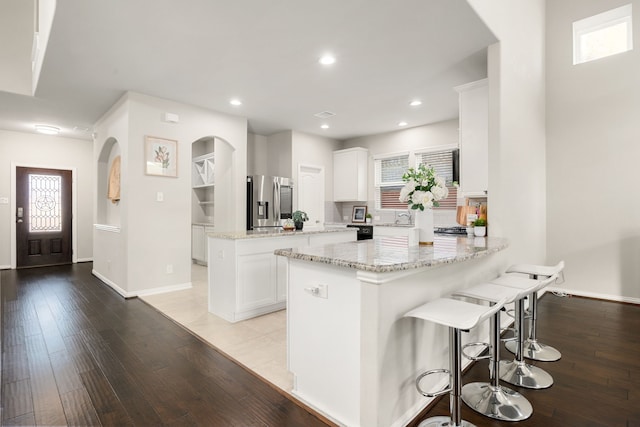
(265, 53)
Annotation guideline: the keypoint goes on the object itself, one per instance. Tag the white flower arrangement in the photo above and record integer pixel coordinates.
(423, 188)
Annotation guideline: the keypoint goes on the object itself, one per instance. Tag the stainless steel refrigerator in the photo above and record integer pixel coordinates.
(269, 201)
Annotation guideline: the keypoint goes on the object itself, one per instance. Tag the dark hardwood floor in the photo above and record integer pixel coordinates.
(76, 353)
(597, 380)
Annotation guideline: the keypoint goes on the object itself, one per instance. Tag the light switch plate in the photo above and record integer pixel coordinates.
(159, 196)
(4, 200)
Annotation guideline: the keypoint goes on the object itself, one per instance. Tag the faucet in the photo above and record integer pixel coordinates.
(406, 215)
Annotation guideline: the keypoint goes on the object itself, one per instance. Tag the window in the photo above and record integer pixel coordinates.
(602, 35)
(445, 164)
(388, 172)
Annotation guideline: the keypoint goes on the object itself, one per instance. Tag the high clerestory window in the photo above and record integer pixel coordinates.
(602, 35)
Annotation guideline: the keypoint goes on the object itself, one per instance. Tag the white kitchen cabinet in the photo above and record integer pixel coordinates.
(474, 138)
(247, 280)
(199, 247)
(380, 230)
(350, 168)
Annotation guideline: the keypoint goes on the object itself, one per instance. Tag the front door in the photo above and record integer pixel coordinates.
(43, 217)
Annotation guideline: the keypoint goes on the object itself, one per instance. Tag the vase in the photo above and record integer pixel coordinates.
(424, 224)
(298, 225)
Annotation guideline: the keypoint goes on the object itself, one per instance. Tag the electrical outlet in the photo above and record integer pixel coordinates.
(346, 217)
(169, 268)
(221, 254)
(159, 196)
(377, 217)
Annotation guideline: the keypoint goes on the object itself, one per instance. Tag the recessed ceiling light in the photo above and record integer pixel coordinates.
(403, 124)
(327, 59)
(415, 103)
(235, 102)
(325, 126)
(48, 130)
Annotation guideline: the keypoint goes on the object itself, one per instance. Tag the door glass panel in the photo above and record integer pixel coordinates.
(45, 212)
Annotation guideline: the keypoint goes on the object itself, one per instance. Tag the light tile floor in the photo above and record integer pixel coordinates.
(258, 343)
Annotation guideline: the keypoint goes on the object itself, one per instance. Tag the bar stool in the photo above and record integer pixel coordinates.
(517, 372)
(532, 348)
(458, 316)
(491, 399)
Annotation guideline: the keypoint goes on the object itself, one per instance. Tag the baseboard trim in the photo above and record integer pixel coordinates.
(112, 285)
(595, 295)
(164, 289)
(5, 267)
(84, 260)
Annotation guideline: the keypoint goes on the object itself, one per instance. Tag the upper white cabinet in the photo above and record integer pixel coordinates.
(350, 174)
(474, 138)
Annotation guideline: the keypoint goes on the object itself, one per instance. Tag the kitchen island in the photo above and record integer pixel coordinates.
(353, 355)
(246, 279)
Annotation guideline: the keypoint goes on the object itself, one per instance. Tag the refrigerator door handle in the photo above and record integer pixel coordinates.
(276, 201)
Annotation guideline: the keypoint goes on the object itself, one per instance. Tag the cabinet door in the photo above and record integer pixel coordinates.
(474, 139)
(198, 243)
(256, 280)
(350, 175)
(345, 176)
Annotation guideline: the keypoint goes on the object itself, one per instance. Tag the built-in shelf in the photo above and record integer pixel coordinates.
(202, 181)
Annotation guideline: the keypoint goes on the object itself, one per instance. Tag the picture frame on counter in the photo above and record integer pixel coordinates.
(359, 214)
(160, 156)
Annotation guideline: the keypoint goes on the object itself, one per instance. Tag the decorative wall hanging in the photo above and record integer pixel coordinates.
(113, 190)
(161, 156)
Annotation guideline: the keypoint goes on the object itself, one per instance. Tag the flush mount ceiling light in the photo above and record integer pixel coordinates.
(235, 102)
(48, 130)
(327, 59)
(415, 103)
(325, 126)
(403, 124)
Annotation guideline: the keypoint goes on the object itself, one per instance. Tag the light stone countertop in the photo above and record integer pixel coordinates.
(379, 224)
(276, 232)
(388, 254)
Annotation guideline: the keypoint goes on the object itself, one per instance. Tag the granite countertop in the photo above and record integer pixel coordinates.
(388, 254)
(276, 232)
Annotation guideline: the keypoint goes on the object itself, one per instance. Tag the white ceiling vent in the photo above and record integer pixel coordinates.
(325, 114)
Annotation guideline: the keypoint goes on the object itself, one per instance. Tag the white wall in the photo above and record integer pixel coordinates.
(517, 171)
(257, 155)
(52, 152)
(158, 234)
(593, 152)
(315, 150)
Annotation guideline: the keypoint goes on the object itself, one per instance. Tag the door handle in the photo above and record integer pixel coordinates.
(19, 215)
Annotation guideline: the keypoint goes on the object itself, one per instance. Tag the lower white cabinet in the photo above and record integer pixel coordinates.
(199, 247)
(247, 280)
(380, 230)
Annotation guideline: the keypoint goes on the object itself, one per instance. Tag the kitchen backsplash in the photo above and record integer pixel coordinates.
(337, 211)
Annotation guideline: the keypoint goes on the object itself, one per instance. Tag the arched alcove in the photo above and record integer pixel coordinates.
(108, 203)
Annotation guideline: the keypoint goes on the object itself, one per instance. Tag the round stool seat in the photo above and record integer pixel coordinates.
(537, 270)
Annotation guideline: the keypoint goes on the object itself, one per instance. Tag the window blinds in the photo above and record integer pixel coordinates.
(442, 162)
(388, 172)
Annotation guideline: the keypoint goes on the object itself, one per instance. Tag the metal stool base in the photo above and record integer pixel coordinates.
(499, 402)
(443, 421)
(524, 375)
(535, 351)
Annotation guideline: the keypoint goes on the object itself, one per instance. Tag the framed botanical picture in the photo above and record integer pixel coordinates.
(359, 214)
(160, 156)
